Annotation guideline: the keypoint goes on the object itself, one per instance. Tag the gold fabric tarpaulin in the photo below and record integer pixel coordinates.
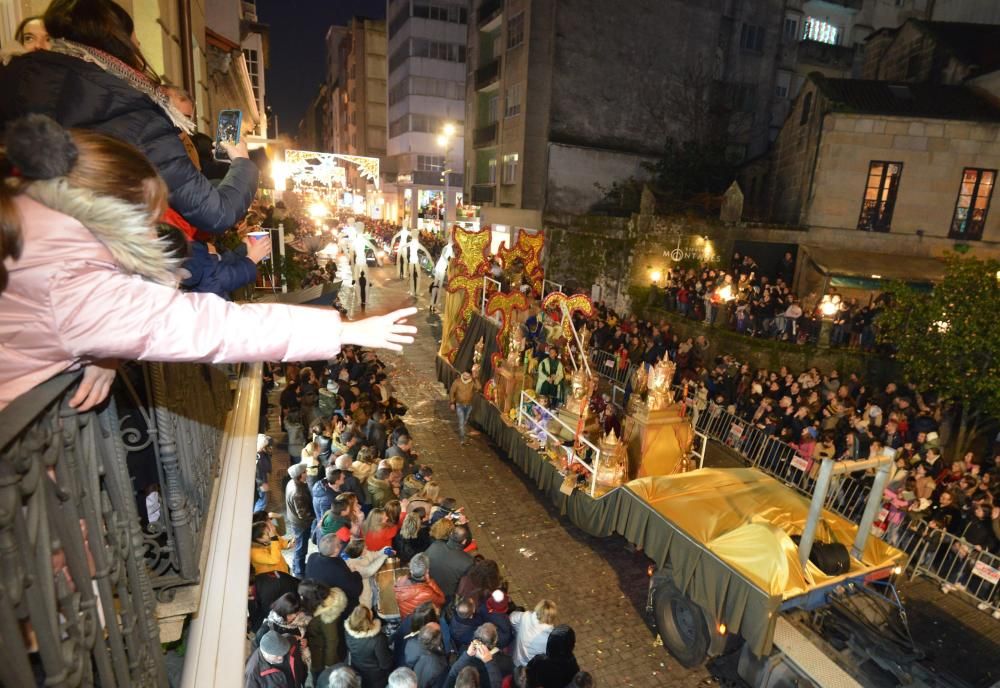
(747, 519)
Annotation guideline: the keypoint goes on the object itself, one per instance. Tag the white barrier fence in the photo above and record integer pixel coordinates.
(540, 429)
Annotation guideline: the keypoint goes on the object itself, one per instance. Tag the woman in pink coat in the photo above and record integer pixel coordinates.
(85, 279)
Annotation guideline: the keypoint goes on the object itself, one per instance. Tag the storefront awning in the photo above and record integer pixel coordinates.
(875, 266)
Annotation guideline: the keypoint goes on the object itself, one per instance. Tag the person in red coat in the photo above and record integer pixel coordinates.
(417, 588)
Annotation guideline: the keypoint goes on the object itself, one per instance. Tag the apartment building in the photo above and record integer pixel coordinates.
(426, 109)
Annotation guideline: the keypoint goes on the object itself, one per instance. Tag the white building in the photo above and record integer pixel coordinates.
(426, 96)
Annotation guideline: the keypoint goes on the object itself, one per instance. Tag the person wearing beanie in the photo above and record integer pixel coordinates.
(417, 587)
(274, 665)
(298, 515)
(558, 665)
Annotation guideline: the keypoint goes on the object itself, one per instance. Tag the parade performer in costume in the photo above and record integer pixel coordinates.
(550, 377)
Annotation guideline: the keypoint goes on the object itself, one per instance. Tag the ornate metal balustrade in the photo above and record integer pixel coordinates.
(86, 550)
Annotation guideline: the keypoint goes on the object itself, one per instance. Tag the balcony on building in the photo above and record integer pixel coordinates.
(123, 521)
(485, 135)
(819, 54)
(489, 14)
(487, 77)
(483, 193)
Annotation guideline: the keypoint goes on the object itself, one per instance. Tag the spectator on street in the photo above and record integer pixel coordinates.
(327, 567)
(558, 666)
(325, 606)
(449, 561)
(417, 587)
(369, 649)
(425, 654)
(298, 515)
(272, 665)
(532, 631)
(266, 549)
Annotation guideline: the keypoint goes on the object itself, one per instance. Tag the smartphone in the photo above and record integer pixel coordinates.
(227, 130)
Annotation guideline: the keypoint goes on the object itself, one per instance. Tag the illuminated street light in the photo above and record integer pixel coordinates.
(448, 130)
(279, 174)
(655, 276)
(318, 211)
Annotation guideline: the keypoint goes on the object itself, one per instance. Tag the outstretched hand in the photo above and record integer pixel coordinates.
(388, 331)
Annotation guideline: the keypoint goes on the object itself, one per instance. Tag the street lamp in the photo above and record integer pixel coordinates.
(444, 140)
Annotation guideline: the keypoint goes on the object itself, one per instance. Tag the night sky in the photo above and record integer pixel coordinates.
(298, 49)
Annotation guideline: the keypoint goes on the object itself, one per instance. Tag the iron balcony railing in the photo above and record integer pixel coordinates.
(102, 517)
(485, 135)
(488, 74)
(483, 193)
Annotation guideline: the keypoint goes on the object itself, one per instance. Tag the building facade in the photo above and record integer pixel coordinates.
(885, 175)
(563, 98)
(235, 71)
(426, 99)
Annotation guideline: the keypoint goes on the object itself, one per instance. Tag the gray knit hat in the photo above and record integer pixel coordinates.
(274, 644)
(296, 470)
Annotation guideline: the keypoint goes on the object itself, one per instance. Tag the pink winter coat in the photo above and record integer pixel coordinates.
(69, 300)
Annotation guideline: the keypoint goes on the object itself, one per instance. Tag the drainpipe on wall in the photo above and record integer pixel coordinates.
(187, 46)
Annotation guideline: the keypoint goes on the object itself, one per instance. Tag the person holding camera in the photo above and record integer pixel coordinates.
(265, 550)
(480, 656)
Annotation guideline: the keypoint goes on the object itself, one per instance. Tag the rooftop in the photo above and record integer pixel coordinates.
(906, 99)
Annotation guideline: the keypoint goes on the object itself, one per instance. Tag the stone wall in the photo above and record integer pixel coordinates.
(933, 152)
(766, 353)
(617, 254)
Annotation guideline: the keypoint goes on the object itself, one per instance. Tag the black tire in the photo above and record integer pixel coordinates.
(681, 625)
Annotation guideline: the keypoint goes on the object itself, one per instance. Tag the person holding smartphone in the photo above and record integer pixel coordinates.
(480, 656)
(93, 54)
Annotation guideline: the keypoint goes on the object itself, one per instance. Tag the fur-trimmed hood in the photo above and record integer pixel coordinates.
(332, 607)
(370, 633)
(125, 230)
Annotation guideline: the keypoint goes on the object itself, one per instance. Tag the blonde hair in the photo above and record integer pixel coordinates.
(546, 611)
(360, 620)
(442, 529)
(375, 521)
(411, 526)
(309, 452)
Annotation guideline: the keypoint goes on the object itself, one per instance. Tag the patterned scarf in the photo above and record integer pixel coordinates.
(133, 77)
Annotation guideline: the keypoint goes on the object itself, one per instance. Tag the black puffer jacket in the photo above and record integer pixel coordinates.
(79, 94)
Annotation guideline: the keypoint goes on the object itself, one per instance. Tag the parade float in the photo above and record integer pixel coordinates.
(733, 550)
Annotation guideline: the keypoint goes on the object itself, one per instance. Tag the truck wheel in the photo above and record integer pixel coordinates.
(681, 624)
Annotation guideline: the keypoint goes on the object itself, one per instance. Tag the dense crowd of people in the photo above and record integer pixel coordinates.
(743, 299)
(357, 489)
(822, 415)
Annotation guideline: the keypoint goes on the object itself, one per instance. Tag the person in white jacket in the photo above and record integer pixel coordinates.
(366, 563)
(532, 631)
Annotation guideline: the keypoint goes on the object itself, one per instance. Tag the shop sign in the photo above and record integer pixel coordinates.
(404, 178)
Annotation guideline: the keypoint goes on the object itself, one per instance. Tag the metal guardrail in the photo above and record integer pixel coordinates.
(608, 366)
(962, 567)
(83, 567)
